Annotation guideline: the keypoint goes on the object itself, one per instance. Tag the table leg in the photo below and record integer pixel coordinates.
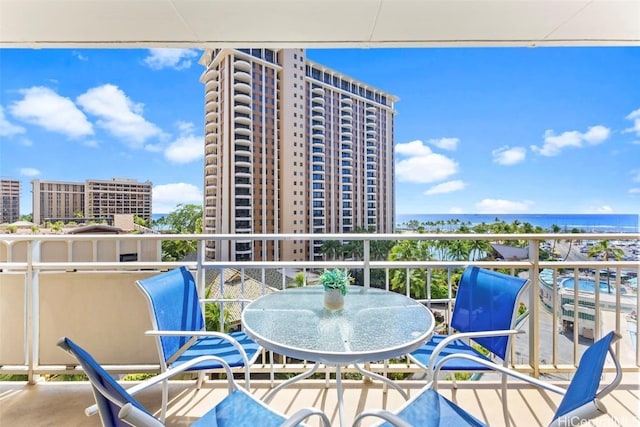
(302, 376)
(384, 379)
(340, 397)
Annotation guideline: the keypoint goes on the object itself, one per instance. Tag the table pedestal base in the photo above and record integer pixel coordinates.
(315, 367)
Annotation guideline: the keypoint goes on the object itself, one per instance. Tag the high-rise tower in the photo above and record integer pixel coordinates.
(9, 200)
(292, 147)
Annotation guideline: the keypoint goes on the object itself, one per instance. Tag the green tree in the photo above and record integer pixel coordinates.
(186, 219)
(603, 248)
(299, 279)
(556, 229)
(459, 250)
(574, 231)
(331, 248)
(411, 250)
(27, 217)
(477, 247)
(138, 220)
(212, 315)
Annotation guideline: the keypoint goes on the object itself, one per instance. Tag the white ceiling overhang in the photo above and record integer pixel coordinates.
(318, 23)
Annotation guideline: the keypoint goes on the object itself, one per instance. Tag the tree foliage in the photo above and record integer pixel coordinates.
(186, 219)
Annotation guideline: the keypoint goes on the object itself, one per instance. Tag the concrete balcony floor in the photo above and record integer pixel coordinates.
(63, 403)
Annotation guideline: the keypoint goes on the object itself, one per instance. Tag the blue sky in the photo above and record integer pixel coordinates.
(484, 130)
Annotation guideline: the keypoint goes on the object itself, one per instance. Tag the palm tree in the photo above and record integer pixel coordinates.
(478, 246)
(556, 229)
(607, 251)
(410, 250)
(355, 249)
(331, 248)
(459, 250)
(574, 230)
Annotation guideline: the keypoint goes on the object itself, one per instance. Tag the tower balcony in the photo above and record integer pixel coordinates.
(242, 76)
(242, 119)
(242, 108)
(242, 65)
(242, 97)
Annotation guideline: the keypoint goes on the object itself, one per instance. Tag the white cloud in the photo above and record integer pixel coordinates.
(596, 135)
(178, 59)
(490, 206)
(422, 165)
(634, 190)
(635, 175)
(91, 143)
(445, 143)
(604, 209)
(25, 141)
(446, 187)
(456, 210)
(634, 116)
(185, 128)
(43, 107)
(185, 149)
(29, 172)
(118, 114)
(508, 156)
(80, 56)
(6, 128)
(168, 196)
(553, 143)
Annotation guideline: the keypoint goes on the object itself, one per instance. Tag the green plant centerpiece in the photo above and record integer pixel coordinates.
(335, 283)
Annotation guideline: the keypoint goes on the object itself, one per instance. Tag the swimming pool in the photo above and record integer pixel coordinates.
(590, 285)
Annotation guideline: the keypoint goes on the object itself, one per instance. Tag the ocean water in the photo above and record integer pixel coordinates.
(603, 223)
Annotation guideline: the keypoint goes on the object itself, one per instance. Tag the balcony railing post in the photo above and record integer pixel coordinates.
(534, 308)
(200, 272)
(367, 263)
(32, 310)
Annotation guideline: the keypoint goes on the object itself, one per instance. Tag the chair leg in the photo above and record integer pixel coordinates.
(201, 377)
(165, 399)
(505, 409)
(272, 372)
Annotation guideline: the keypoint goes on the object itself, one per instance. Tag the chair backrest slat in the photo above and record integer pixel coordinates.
(584, 385)
(174, 304)
(487, 300)
(110, 396)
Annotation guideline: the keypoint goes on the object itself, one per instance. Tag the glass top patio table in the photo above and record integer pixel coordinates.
(373, 325)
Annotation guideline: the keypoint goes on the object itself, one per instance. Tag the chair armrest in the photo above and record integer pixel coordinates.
(461, 335)
(221, 335)
(305, 413)
(495, 367)
(390, 417)
(171, 372)
(137, 418)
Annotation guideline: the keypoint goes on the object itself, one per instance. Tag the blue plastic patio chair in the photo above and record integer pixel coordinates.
(581, 400)
(179, 329)
(485, 314)
(117, 406)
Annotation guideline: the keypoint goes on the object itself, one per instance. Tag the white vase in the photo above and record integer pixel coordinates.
(333, 299)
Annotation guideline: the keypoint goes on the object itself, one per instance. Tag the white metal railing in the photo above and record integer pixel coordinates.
(41, 298)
